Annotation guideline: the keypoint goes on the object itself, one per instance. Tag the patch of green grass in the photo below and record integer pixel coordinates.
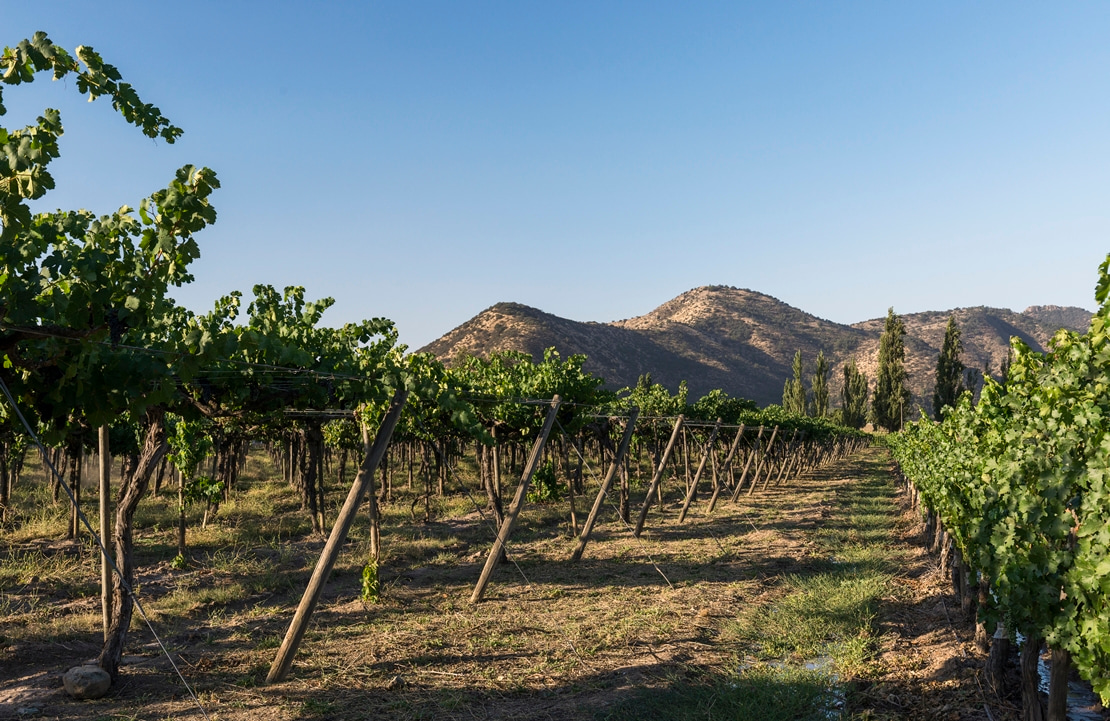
(20, 567)
(813, 631)
(237, 560)
(317, 707)
(826, 614)
(184, 600)
(830, 612)
(760, 693)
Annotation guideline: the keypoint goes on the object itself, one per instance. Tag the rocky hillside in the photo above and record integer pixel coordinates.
(744, 341)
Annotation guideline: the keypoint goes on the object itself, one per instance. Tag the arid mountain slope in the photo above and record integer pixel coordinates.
(744, 341)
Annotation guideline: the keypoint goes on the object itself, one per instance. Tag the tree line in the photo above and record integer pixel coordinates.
(858, 405)
(891, 402)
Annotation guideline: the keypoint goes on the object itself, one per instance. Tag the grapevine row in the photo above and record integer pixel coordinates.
(1021, 484)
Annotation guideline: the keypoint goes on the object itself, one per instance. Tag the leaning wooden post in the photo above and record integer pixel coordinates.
(786, 458)
(724, 468)
(370, 462)
(105, 530)
(657, 476)
(747, 465)
(608, 481)
(518, 502)
(762, 458)
(792, 466)
(701, 467)
(814, 457)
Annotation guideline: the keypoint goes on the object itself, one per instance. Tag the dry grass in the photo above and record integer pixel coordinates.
(684, 608)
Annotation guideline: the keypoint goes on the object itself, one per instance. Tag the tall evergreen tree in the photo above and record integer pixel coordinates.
(950, 371)
(854, 396)
(794, 392)
(891, 394)
(821, 386)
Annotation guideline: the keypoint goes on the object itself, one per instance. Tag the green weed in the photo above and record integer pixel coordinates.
(762, 693)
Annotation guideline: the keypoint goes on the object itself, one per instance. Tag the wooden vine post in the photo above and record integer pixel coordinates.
(786, 458)
(284, 659)
(105, 515)
(657, 476)
(372, 503)
(697, 475)
(762, 458)
(725, 468)
(518, 502)
(76, 470)
(608, 481)
(800, 463)
(747, 466)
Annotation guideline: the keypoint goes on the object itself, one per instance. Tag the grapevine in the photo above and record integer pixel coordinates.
(1020, 481)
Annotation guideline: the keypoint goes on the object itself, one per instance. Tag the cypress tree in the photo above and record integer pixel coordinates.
(891, 394)
(950, 370)
(821, 387)
(854, 396)
(794, 392)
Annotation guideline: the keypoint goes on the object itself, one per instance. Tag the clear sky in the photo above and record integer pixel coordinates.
(422, 161)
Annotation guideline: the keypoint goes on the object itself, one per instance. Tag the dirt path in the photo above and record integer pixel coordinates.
(552, 640)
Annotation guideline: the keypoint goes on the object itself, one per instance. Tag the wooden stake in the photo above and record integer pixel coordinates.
(284, 659)
(697, 475)
(75, 473)
(796, 455)
(372, 502)
(725, 468)
(657, 476)
(608, 481)
(762, 458)
(105, 530)
(785, 457)
(518, 502)
(747, 465)
(686, 455)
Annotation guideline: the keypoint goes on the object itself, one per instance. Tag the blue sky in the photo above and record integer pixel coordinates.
(422, 161)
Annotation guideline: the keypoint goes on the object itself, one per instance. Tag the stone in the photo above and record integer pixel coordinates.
(85, 682)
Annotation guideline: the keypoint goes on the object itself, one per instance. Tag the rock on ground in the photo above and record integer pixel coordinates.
(85, 682)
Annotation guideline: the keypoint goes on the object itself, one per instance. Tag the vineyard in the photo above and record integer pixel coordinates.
(1015, 491)
(176, 448)
(247, 513)
(226, 611)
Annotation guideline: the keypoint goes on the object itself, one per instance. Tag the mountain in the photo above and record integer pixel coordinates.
(744, 342)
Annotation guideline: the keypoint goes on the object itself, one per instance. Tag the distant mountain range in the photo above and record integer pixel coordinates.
(744, 342)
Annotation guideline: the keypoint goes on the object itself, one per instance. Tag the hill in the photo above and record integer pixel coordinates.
(744, 341)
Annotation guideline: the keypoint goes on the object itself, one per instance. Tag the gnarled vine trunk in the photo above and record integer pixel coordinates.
(1031, 707)
(132, 488)
(314, 450)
